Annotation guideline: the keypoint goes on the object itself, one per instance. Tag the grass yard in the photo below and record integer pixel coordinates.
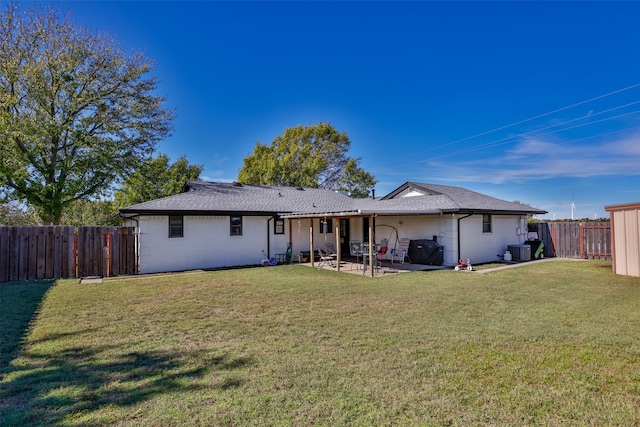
(553, 343)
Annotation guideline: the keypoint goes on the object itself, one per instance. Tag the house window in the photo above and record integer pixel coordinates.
(326, 226)
(278, 226)
(236, 225)
(176, 226)
(486, 223)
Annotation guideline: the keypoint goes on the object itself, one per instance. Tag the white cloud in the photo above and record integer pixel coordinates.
(539, 159)
(216, 176)
(219, 160)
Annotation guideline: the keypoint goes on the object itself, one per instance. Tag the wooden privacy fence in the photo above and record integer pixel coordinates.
(106, 251)
(56, 252)
(579, 240)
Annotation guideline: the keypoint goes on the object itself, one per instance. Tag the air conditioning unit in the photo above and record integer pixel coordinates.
(520, 252)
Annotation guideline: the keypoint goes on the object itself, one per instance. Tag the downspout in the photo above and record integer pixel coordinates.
(460, 219)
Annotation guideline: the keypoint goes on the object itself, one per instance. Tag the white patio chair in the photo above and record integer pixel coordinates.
(402, 251)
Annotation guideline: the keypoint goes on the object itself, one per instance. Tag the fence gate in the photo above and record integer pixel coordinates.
(106, 251)
(578, 240)
(595, 240)
(55, 252)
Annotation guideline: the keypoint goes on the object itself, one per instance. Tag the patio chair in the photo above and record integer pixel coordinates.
(401, 252)
(355, 249)
(331, 249)
(326, 258)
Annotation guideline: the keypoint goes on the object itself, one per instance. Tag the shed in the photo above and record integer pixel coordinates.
(625, 232)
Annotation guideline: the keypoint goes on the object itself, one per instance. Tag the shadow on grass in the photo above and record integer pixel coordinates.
(19, 302)
(48, 387)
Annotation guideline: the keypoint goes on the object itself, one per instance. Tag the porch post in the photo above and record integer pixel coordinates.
(371, 246)
(338, 242)
(313, 258)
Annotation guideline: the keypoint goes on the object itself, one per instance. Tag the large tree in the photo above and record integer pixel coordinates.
(156, 178)
(77, 113)
(310, 156)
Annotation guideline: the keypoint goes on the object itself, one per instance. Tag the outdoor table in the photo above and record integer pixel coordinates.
(365, 260)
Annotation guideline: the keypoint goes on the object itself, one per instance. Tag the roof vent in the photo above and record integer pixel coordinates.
(300, 187)
(236, 184)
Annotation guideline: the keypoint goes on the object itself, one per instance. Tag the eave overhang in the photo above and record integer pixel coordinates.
(124, 213)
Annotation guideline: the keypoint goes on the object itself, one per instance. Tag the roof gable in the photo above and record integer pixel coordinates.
(460, 198)
(411, 189)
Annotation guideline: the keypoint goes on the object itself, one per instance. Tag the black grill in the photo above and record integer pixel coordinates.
(428, 252)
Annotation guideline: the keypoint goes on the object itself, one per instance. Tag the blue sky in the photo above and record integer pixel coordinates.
(530, 101)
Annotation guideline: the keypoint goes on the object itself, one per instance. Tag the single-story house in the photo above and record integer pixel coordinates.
(219, 224)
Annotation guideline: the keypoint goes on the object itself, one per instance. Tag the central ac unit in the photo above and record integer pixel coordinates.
(520, 252)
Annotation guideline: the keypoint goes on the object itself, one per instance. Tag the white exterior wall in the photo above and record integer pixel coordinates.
(420, 227)
(482, 247)
(207, 243)
(300, 234)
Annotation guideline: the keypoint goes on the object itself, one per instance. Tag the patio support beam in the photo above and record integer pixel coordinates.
(337, 221)
(312, 254)
(371, 245)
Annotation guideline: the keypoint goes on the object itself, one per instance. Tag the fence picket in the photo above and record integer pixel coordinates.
(49, 252)
(4, 254)
(14, 253)
(23, 260)
(33, 251)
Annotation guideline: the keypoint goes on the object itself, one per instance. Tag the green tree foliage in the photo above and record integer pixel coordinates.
(77, 113)
(310, 156)
(356, 181)
(11, 214)
(156, 178)
(90, 212)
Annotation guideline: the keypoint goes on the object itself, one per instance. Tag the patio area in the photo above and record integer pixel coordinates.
(350, 266)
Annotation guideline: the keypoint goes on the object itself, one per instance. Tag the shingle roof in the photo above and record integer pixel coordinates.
(463, 199)
(199, 196)
(219, 197)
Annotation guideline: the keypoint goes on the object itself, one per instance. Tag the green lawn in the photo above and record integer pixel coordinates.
(555, 343)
